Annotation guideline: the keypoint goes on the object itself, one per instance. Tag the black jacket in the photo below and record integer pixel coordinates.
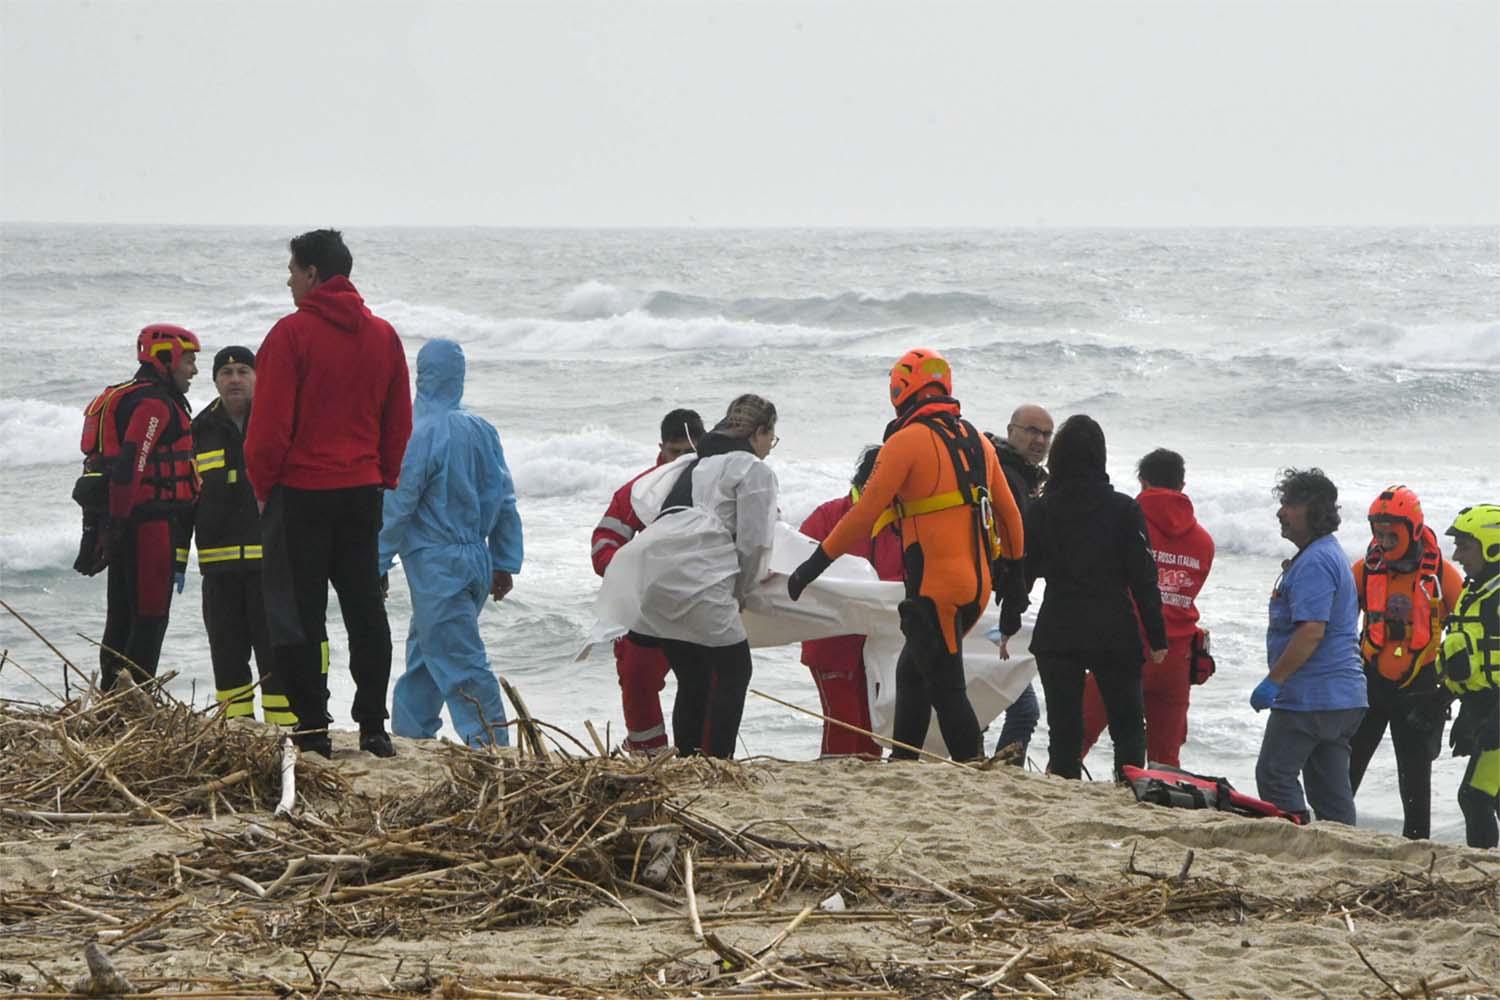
(1022, 475)
(226, 523)
(1090, 544)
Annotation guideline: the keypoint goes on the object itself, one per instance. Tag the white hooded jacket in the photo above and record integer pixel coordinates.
(688, 574)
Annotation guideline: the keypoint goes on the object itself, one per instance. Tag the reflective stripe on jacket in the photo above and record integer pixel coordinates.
(226, 524)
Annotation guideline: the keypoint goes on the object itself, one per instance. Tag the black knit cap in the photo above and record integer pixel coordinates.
(233, 356)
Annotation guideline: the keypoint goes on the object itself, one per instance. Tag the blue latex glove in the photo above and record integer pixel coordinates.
(1265, 694)
(181, 580)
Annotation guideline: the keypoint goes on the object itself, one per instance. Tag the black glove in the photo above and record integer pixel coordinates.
(810, 570)
(1010, 619)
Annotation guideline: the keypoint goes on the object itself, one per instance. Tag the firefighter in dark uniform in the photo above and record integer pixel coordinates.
(227, 526)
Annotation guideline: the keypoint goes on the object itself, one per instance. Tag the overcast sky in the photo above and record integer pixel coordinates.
(705, 113)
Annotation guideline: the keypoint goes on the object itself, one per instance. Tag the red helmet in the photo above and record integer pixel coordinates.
(162, 346)
(916, 370)
(1398, 504)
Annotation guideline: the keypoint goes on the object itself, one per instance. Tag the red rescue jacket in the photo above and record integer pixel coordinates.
(138, 436)
(1183, 551)
(618, 525)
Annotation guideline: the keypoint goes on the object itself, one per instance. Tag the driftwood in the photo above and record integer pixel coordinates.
(540, 835)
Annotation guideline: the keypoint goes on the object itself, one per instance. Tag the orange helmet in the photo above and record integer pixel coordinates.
(1398, 504)
(916, 370)
(162, 346)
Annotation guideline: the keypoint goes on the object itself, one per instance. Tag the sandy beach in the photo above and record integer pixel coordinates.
(945, 875)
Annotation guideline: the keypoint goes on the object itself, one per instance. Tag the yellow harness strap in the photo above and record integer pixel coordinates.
(916, 508)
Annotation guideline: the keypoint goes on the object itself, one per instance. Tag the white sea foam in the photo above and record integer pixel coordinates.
(33, 432)
(50, 546)
(596, 299)
(591, 461)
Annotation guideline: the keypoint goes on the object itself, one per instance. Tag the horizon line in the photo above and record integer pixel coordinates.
(752, 227)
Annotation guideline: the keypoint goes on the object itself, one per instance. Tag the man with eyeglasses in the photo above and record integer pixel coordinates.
(1022, 451)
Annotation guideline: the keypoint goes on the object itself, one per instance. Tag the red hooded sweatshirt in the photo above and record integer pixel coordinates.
(1184, 552)
(332, 397)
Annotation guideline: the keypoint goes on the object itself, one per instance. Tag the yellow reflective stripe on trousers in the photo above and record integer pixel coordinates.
(207, 461)
(277, 710)
(241, 700)
(325, 656)
(228, 552)
(182, 555)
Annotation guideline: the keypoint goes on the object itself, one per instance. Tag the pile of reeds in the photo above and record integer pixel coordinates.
(1410, 894)
(1022, 973)
(136, 753)
(501, 840)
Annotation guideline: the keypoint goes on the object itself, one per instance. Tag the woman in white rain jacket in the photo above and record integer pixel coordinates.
(710, 522)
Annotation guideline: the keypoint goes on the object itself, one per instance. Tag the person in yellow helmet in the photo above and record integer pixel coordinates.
(1469, 665)
(939, 481)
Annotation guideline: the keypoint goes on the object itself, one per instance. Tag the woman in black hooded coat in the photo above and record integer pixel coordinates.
(1089, 541)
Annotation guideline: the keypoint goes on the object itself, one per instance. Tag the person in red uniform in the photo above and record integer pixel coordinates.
(838, 664)
(1184, 552)
(642, 670)
(331, 420)
(138, 437)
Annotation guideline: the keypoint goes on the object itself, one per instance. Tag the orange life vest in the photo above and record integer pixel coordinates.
(1426, 597)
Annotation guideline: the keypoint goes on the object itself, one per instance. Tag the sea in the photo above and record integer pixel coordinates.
(1373, 354)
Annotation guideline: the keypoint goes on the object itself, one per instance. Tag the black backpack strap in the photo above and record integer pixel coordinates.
(681, 493)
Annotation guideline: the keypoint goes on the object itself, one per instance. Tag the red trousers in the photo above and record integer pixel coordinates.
(1164, 688)
(844, 696)
(643, 674)
(139, 599)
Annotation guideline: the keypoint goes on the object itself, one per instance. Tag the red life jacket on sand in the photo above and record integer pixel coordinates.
(1168, 786)
(168, 474)
(1426, 597)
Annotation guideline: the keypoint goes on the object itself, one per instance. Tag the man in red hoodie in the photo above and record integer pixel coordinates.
(642, 669)
(1184, 552)
(332, 416)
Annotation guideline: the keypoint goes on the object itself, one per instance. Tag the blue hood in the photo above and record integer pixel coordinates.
(440, 376)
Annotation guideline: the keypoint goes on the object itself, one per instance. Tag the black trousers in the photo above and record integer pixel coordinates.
(139, 588)
(931, 679)
(1416, 741)
(1119, 679)
(311, 538)
(711, 685)
(234, 614)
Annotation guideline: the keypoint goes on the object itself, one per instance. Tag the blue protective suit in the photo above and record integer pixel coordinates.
(453, 521)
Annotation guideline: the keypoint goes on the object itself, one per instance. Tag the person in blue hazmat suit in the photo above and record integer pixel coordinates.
(453, 521)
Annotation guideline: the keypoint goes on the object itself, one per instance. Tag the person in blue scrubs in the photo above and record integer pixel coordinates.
(453, 521)
(1315, 682)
